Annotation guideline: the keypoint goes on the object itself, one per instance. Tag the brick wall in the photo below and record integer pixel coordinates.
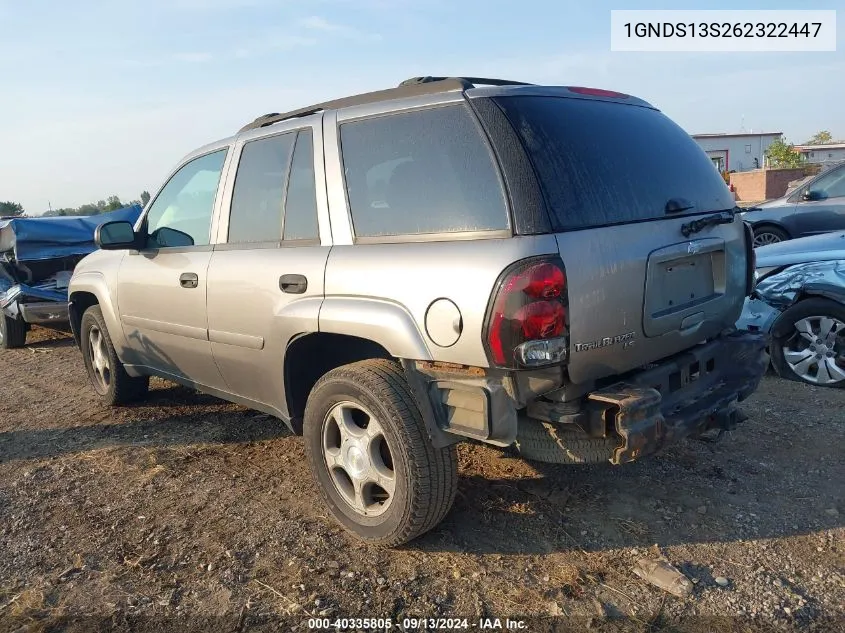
(764, 184)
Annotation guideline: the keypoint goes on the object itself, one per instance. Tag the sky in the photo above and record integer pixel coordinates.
(103, 97)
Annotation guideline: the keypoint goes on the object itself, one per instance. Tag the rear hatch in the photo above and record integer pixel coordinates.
(620, 182)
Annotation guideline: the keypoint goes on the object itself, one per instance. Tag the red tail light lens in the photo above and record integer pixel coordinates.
(527, 317)
(541, 319)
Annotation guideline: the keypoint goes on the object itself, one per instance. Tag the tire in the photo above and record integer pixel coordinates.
(12, 332)
(768, 234)
(374, 394)
(107, 374)
(553, 444)
(794, 347)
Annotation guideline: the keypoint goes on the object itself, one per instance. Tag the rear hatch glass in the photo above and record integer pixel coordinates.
(602, 163)
(638, 289)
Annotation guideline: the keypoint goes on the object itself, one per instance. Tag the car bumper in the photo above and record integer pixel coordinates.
(44, 312)
(686, 395)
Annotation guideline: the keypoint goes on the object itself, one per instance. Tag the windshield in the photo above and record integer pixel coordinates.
(602, 163)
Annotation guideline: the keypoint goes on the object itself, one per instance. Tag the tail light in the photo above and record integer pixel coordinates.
(751, 260)
(526, 320)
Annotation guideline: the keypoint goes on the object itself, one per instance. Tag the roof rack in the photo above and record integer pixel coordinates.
(409, 88)
(471, 81)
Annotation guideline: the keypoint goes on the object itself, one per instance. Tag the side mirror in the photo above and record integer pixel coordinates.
(115, 236)
(811, 195)
(165, 237)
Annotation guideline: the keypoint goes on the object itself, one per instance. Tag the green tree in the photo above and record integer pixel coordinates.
(14, 209)
(113, 203)
(820, 138)
(783, 154)
(145, 198)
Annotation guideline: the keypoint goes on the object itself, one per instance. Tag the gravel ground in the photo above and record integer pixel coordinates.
(185, 512)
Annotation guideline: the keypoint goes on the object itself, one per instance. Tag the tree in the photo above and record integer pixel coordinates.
(145, 198)
(782, 154)
(113, 204)
(14, 209)
(820, 138)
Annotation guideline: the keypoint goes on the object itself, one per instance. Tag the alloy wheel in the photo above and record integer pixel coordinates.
(359, 458)
(100, 363)
(816, 350)
(764, 238)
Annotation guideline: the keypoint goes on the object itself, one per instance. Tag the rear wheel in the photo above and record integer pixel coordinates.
(767, 234)
(12, 332)
(812, 350)
(374, 464)
(107, 374)
(557, 444)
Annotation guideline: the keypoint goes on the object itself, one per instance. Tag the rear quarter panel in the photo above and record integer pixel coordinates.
(414, 275)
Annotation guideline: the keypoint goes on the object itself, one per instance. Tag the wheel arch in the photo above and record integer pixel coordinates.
(91, 288)
(310, 356)
(819, 290)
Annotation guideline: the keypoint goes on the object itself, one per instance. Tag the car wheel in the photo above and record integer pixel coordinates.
(765, 235)
(12, 332)
(371, 456)
(812, 348)
(107, 374)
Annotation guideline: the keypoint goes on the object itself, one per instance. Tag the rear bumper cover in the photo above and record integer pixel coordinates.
(686, 395)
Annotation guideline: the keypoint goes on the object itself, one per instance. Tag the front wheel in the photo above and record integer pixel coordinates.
(374, 464)
(107, 374)
(812, 348)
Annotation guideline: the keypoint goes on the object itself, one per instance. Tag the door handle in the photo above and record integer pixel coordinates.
(293, 284)
(189, 280)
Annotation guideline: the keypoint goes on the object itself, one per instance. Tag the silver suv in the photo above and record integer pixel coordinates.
(556, 269)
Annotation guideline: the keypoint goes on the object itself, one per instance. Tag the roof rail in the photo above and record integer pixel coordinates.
(471, 81)
(432, 85)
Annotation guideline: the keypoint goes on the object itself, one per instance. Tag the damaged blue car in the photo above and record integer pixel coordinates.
(800, 302)
(37, 258)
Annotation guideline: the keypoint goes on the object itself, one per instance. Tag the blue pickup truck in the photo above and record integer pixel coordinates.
(37, 258)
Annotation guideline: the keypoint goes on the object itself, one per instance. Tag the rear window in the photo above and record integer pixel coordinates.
(602, 163)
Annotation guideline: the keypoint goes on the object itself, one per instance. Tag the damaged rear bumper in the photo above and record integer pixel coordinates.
(35, 304)
(686, 395)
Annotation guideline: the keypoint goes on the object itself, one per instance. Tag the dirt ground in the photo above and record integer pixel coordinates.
(185, 512)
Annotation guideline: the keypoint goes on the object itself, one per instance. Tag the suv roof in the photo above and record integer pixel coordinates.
(417, 86)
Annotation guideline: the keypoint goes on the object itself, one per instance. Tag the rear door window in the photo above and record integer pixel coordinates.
(423, 172)
(256, 211)
(602, 163)
(301, 198)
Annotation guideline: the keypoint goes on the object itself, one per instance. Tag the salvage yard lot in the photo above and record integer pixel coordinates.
(186, 505)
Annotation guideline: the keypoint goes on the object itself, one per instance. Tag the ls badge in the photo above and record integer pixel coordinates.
(627, 340)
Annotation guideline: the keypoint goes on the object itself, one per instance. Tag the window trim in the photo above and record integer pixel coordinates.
(142, 224)
(354, 117)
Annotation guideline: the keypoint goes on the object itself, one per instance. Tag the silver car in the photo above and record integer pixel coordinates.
(816, 205)
(553, 268)
(800, 302)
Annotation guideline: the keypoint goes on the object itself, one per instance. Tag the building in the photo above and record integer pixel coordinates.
(737, 152)
(826, 153)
